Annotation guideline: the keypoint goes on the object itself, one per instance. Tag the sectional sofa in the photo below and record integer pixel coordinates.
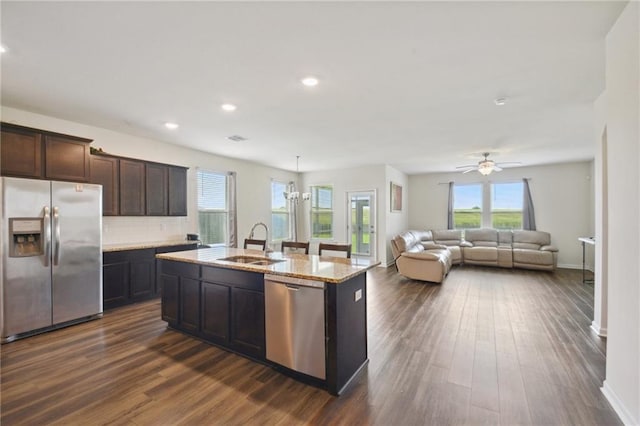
(429, 255)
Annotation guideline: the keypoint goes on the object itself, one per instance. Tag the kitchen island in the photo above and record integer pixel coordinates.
(218, 295)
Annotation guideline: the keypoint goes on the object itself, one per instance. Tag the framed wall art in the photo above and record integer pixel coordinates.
(396, 197)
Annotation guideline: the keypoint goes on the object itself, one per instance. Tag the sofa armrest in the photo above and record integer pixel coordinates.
(428, 245)
(548, 248)
(466, 244)
(422, 255)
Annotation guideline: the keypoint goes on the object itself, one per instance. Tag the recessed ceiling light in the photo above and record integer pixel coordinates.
(310, 81)
(171, 126)
(500, 101)
(2, 49)
(228, 107)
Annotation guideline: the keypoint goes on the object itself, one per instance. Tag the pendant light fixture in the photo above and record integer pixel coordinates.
(295, 195)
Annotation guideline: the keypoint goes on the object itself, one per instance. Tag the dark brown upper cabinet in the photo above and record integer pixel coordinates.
(39, 154)
(157, 194)
(132, 188)
(105, 172)
(177, 191)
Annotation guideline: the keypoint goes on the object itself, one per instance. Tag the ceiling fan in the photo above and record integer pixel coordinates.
(486, 166)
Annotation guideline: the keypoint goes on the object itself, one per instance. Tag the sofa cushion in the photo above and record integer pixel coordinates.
(505, 238)
(482, 254)
(405, 242)
(532, 240)
(448, 237)
(482, 237)
(422, 236)
(532, 257)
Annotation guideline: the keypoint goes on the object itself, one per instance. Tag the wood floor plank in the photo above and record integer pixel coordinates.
(487, 346)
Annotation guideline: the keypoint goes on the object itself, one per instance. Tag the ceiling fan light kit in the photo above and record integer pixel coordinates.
(485, 167)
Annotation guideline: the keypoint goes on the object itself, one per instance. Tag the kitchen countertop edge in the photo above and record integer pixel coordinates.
(300, 262)
(140, 246)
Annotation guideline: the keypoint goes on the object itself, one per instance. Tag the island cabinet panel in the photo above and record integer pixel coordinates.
(132, 188)
(180, 292)
(189, 304)
(104, 171)
(215, 312)
(177, 182)
(247, 332)
(21, 152)
(66, 159)
(346, 331)
(170, 298)
(156, 190)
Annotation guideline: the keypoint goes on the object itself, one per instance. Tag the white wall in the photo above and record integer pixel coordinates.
(622, 384)
(343, 181)
(396, 222)
(600, 292)
(561, 197)
(253, 180)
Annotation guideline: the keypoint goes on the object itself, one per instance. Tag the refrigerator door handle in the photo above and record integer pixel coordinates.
(56, 232)
(47, 236)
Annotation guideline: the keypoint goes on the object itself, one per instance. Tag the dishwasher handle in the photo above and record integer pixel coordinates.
(295, 282)
(292, 287)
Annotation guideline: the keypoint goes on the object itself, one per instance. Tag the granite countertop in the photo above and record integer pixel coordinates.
(323, 268)
(138, 246)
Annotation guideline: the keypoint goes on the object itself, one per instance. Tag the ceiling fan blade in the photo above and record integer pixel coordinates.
(470, 170)
(509, 163)
(497, 169)
(466, 167)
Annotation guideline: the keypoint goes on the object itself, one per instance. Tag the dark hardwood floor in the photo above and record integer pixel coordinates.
(488, 346)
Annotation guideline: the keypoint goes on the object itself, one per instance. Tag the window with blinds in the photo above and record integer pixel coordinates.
(279, 212)
(213, 211)
(322, 212)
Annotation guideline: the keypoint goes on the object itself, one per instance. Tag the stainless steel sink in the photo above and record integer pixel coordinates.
(250, 260)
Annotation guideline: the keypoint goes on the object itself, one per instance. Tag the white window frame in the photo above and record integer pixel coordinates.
(482, 203)
(312, 190)
(226, 203)
(491, 196)
(279, 212)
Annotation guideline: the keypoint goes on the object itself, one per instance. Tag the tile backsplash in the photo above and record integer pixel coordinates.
(132, 229)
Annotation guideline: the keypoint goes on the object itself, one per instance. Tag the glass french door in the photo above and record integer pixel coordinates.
(361, 223)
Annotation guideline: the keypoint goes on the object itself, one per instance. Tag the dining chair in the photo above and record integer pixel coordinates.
(343, 248)
(295, 246)
(262, 244)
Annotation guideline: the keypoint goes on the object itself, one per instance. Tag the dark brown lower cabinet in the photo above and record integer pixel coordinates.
(170, 298)
(247, 332)
(115, 278)
(225, 306)
(129, 276)
(189, 304)
(215, 312)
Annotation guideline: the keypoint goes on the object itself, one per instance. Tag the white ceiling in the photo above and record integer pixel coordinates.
(409, 84)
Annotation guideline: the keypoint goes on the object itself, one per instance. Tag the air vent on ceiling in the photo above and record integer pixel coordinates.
(236, 138)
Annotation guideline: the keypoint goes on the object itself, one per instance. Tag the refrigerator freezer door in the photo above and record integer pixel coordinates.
(26, 281)
(76, 211)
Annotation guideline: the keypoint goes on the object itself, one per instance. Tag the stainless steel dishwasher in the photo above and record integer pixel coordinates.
(294, 323)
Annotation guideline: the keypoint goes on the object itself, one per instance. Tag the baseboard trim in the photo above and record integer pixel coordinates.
(617, 405)
(602, 332)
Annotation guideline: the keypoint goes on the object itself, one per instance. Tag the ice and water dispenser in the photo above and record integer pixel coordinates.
(25, 237)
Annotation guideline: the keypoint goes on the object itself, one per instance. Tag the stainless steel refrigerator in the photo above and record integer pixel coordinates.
(51, 255)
